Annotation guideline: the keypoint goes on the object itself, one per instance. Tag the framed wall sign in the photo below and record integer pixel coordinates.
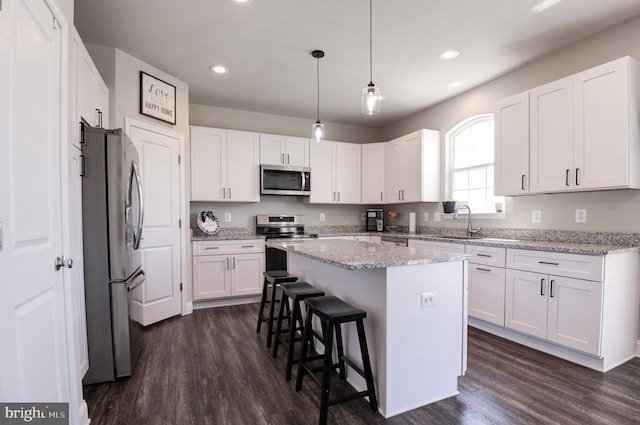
(157, 98)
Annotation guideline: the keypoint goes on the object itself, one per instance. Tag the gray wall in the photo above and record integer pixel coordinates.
(606, 211)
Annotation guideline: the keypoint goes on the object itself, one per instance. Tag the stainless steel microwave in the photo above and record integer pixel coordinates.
(285, 180)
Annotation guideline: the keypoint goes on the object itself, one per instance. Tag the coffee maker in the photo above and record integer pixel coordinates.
(375, 220)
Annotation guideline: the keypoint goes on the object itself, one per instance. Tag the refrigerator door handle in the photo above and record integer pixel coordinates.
(133, 285)
(137, 234)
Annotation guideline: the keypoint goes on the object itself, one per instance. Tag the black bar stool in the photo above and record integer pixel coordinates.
(272, 279)
(297, 292)
(332, 312)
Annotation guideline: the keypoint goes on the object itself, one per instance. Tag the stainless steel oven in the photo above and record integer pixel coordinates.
(278, 227)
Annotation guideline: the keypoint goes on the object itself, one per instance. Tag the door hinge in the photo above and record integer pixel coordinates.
(180, 286)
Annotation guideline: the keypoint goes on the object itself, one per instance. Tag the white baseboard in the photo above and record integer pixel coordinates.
(197, 305)
(638, 348)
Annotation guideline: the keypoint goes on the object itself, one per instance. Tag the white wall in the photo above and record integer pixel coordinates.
(606, 211)
(211, 116)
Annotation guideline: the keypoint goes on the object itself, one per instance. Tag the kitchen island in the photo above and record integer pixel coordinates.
(415, 301)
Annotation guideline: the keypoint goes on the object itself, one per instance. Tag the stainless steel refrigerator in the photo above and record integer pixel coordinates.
(112, 219)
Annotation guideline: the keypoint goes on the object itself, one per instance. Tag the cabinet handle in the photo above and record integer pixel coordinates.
(577, 182)
(484, 255)
(99, 116)
(522, 181)
(399, 198)
(282, 158)
(226, 263)
(338, 196)
(403, 194)
(229, 189)
(566, 177)
(211, 247)
(234, 262)
(483, 270)
(551, 288)
(542, 287)
(224, 193)
(549, 263)
(380, 196)
(247, 246)
(288, 159)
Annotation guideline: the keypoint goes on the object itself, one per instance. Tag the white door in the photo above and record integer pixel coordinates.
(512, 145)
(525, 304)
(33, 358)
(297, 151)
(208, 165)
(246, 274)
(373, 176)
(322, 172)
(348, 175)
(243, 166)
(159, 297)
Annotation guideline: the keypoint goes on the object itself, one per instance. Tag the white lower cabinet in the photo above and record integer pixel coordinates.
(486, 283)
(448, 247)
(227, 268)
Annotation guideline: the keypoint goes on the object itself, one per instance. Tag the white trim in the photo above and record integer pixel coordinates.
(638, 348)
(186, 306)
(223, 302)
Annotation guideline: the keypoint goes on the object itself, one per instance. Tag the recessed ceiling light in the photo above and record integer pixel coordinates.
(455, 84)
(218, 69)
(242, 1)
(543, 5)
(449, 54)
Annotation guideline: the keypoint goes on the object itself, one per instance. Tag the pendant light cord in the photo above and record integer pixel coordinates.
(371, 41)
(318, 80)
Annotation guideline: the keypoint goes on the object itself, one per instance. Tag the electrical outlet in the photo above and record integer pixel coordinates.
(536, 216)
(428, 299)
(437, 216)
(227, 216)
(425, 216)
(322, 217)
(581, 215)
(363, 217)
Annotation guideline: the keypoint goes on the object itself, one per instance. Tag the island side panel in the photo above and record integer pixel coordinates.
(425, 345)
(365, 289)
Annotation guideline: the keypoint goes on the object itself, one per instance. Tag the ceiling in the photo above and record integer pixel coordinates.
(267, 44)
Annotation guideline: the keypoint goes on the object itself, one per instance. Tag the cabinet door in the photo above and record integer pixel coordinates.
(296, 151)
(211, 277)
(246, 274)
(348, 173)
(526, 302)
(394, 171)
(602, 139)
(512, 145)
(208, 170)
(410, 166)
(551, 131)
(575, 313)
(322, 172)
(486, 293)
(272, 149)
(85, 83)
(373, 174)
(243, 167)
(101, 101)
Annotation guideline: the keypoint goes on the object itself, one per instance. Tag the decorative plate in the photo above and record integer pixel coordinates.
(208, 223)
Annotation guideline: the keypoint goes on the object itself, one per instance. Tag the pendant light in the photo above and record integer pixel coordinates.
(371, 94)
(318, 127)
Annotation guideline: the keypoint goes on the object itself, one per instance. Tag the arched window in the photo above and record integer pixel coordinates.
(470, 178)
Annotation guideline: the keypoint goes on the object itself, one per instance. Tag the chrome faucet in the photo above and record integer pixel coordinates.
(470, 230)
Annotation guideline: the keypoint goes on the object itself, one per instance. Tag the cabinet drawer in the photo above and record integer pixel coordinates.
(227, 247)
(487, 255)
(587, 267)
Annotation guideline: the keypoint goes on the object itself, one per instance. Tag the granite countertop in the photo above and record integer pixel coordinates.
(586, 243)
(353, 255)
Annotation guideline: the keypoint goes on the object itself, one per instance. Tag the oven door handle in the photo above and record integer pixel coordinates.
(302, 181)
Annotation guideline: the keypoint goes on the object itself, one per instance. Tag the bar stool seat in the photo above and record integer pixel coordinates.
(297, 292)
(272, 279)
(333, 312)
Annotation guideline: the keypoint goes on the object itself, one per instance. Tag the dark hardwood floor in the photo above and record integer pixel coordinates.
(212, 368)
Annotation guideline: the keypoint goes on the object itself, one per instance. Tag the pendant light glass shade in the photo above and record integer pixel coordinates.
(371, 94)
(371, 100)
(317, 130)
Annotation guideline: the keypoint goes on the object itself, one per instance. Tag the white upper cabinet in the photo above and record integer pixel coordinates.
(373, 173)
(224, 165)
(584, 133)
(412, 168)
(335, 173)
(512, 145)
(551, 137)
(607, 133)
(92, 93)
(284, 150)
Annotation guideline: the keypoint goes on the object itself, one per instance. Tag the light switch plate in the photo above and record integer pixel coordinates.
(322, 217)
(227, 216)
(436, 216)
(425, 216)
